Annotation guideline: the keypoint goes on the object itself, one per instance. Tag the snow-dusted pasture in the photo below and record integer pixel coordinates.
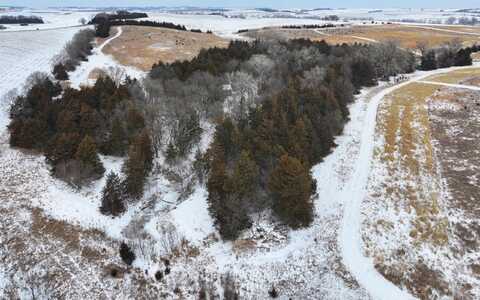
(22, 53)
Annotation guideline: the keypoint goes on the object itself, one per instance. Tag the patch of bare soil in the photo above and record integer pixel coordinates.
(142, 47)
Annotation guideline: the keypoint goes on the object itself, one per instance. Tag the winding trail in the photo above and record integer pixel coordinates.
(453, 85)
(100, 60)
(355, 190)
(365, 39)
(106, 42)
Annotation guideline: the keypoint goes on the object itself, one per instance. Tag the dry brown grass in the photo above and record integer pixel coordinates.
(456, 76)
(141, 47)
(45, 227)
(341, 39)
(409, 36)
(476, 56)
(408, 150)
(466, 29)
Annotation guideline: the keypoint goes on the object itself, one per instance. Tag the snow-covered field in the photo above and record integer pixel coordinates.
(52, 19)
(227, 23)
(226, 27)
(22, 53)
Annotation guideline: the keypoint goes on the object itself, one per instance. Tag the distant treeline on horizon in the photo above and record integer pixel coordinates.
(20, 20)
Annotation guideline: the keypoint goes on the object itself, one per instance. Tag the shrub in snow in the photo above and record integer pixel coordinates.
(158, 275)
(127, 255)
(273, 292)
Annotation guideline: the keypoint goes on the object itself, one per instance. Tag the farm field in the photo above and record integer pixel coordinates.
(141, 47)
(22, 53)
(407, 35)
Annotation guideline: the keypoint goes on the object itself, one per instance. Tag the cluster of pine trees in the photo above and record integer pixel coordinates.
(447, 56)
(72, 127)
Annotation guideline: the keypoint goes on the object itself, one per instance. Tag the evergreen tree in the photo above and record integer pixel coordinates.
(135, 121)
(117, 142)
(428, 61)
(245, 177)
(138, 164)
(112, 200)
(363, 73)
(60, 72)
(88, 157)
(291, 186)
(144, 143)
(463, 58)
(62, 148)
(226, 207)
(102, 28)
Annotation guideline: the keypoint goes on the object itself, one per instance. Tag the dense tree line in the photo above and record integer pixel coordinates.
(72, 127)
(311, 26)
(277, 107)
(119, 15)
(102, 26)
(21, 20)
(448, 55)
(74, 52)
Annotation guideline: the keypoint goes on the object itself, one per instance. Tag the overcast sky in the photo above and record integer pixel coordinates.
(253, 3)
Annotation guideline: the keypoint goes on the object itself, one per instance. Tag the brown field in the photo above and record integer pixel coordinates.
(141, 47)
(410, 187)
(456, 76)
(426, 149)
(407, 36)
(466, 29)
(403, 121)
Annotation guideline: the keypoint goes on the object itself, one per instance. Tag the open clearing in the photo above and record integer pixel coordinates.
(141, 47)
(406, 35)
